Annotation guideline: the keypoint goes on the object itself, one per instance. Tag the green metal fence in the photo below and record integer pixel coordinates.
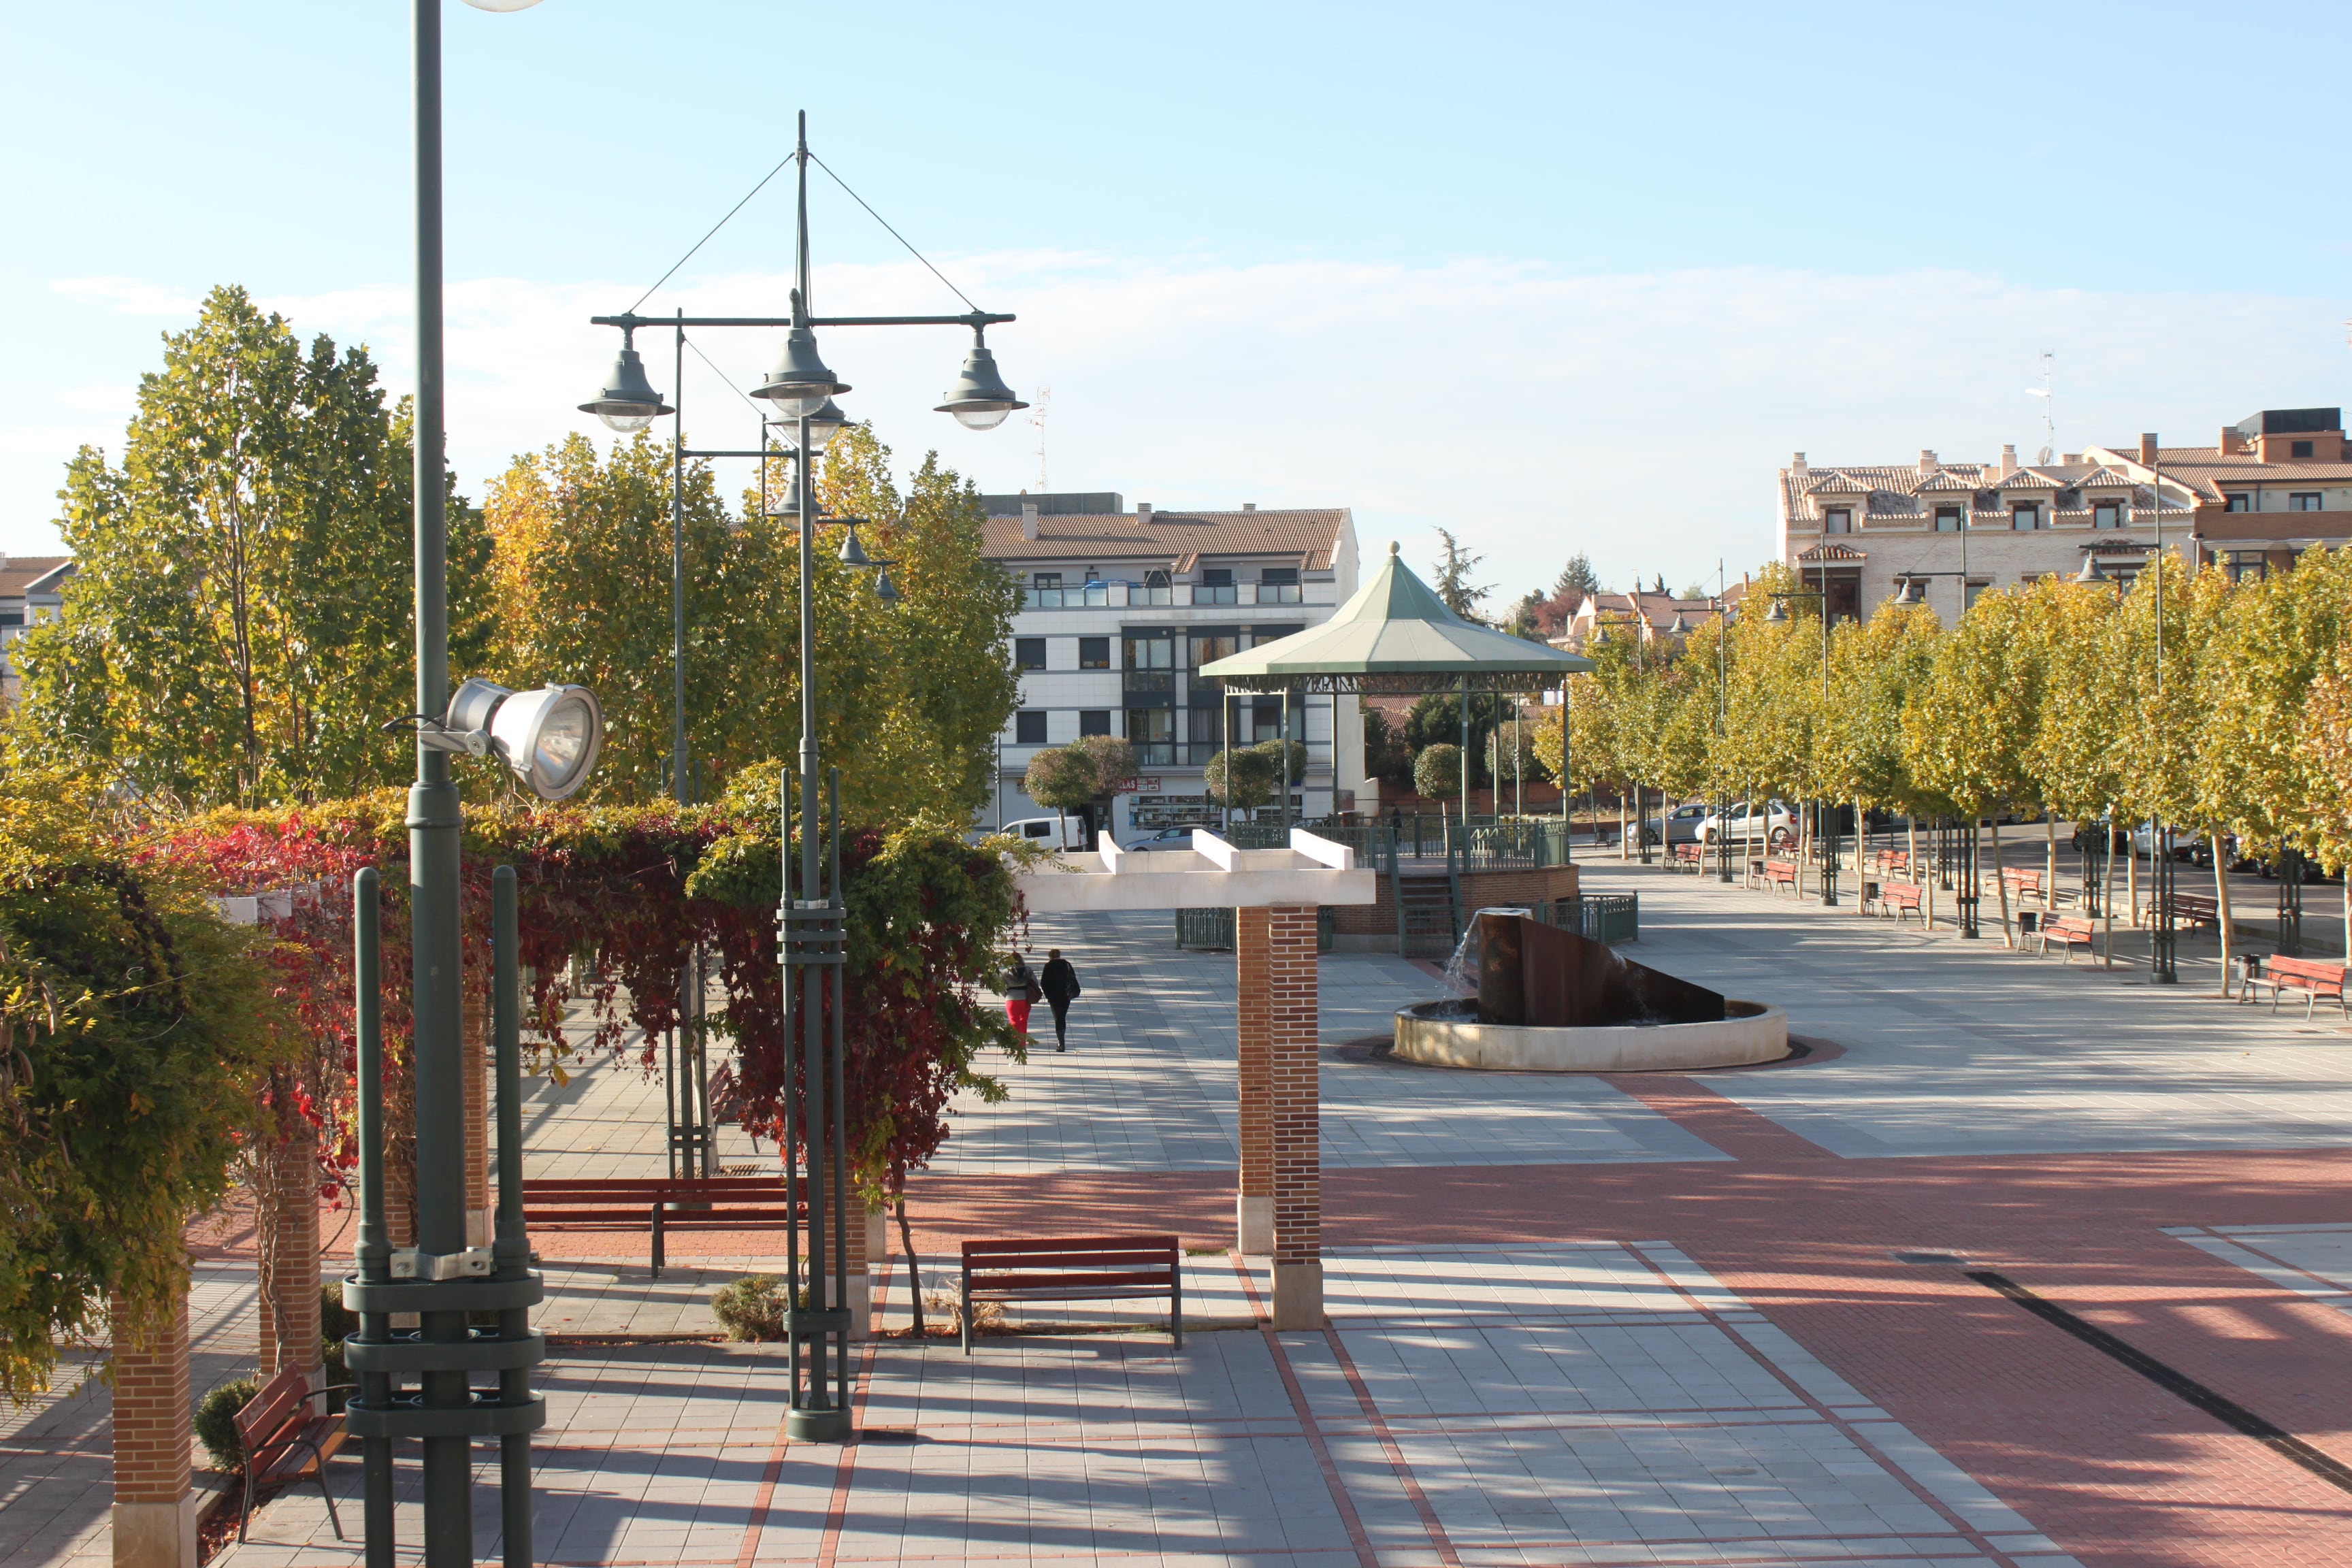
(1599, 916)
(1486, 844)
(1212, 930)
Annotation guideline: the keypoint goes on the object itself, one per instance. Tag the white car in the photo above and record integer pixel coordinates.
(1774, 823)
(1165, 838)
(1048, 832)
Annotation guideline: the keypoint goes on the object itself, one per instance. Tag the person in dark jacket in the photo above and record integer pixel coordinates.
(1060, 984)
(1020, 991)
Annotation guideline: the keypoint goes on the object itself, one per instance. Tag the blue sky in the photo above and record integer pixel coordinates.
(1558, 276)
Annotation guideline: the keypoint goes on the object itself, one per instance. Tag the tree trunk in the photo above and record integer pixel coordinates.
(2131, 875)
(2107, 884)
(2007, 936)
(1621, 825)
(2050, 862)
(914, 1273)
(2221, 899)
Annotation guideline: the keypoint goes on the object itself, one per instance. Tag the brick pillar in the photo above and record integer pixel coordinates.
(287, 1227)
(1279, 1028)
(475, 1047)
(154, 1514)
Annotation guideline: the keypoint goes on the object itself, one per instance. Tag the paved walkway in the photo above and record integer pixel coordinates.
(1708, 1318)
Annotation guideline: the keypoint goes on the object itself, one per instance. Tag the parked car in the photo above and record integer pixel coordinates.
(1679, 826)
(1774, 822)
(1049, 832)
(1165, 838)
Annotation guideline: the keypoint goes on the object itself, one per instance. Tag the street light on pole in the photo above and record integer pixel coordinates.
(801, 389)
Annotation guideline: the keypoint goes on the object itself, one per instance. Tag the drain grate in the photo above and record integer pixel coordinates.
(1950, 1259)
(2179, 1385)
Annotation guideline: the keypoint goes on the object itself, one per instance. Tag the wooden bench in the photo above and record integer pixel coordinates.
(2069, 931)
(283, 1440)
(1783, 872)
(2023, 884)
(2312, 977)
(1903, 898)
(2191, 908)
(657, 1205)
(1074, 1268)
(1688, 853)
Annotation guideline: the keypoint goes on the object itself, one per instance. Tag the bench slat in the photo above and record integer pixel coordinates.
(1039, 1281)
(1161, 1256)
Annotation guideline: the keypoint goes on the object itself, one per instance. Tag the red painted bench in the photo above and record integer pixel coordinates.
(2312, 977)
(657, 1205)
(1688, 853)
(1781, 872)
(284, 1441)
(2023, 883)
(1074, 1268)
(2069, 931)
(2192, 908)
(1903, 898)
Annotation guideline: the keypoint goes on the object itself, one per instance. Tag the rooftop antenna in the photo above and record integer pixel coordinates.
(1045, 396)
(2049, 425)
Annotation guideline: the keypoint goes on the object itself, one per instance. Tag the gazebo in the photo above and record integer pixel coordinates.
(1395, 635)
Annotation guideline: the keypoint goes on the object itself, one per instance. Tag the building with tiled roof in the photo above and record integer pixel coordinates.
(1120, 607)
(2272, 485)
(32, 590)
(1652, 617)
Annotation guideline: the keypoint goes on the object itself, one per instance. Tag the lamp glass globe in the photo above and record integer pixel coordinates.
(626, 423)
(980, 418)
(501, 5)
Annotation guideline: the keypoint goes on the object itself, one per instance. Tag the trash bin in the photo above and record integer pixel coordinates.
(2025, 922)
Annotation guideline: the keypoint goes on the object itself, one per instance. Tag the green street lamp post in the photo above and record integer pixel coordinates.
(812, 919)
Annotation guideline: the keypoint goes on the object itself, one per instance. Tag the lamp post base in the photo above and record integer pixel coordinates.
(817, 1425)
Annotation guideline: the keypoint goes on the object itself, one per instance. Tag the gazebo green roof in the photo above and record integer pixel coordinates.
(1397, 635)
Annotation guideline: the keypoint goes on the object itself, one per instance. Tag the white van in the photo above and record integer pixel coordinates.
(1050, 832)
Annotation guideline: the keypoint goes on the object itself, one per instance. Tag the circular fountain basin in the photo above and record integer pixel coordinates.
(1448, 1034)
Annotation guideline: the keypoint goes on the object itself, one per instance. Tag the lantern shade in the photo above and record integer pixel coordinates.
(628, 401)
(800, 386)
(979, 400)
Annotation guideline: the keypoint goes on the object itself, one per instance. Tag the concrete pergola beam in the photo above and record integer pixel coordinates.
(1211, 875)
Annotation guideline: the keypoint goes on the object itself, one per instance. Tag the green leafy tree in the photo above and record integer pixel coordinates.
(1115, 764)
(1435, 719)
(239, 622)
(1576, 579)
(1385, 755)
(1437, 772)
(1241, 779)
(1062, 777)
(1452, 578)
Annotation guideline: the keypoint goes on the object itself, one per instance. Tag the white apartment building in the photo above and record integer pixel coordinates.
(2273, 484)
(32, 590)
(1120, 607)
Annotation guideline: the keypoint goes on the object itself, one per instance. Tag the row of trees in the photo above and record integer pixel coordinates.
(2051, 695)
(237, 631)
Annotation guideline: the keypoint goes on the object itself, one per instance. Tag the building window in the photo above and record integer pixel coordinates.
(1029, 653)
(11, 617)
(1278, 585)
(1211, 644)
(1975, 590)
(2240, 500)
(2303, 501)
(2299, 450)
(1216, 586)
(1148, 651)
(1152, 732)
(1029, 727)
(2108, 514)
(2245, 565)
(1155, 590)
(1265, 719)
(1094, 653)
(1094, 721)
(1837, 520)
(1948, 519)
(2026, 516)
(1044, 590)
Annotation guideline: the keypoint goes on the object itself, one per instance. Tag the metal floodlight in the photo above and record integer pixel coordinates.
(628, 401)
(1778, 615)
(800, 386)
(2092, 572)
(979, 400)
(550, 737)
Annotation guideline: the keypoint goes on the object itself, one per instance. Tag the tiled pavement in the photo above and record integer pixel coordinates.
(1516, 1372)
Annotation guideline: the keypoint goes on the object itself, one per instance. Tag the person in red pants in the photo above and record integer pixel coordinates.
(1020, 993)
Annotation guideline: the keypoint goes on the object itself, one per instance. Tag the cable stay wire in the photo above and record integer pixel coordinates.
(901, 239)
(715, 227)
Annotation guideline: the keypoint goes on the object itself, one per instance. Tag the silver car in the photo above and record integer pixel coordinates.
(1679, 826)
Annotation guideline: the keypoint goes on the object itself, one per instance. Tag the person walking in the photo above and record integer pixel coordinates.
(1020, 991)
(1060, 984)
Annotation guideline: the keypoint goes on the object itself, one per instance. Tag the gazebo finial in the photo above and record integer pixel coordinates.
(1392, 547)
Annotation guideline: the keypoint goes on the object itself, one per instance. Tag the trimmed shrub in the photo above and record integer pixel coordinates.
(752, 1308)
(217, 1423)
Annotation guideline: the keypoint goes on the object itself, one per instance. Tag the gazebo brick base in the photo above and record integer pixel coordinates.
(1279, 1210)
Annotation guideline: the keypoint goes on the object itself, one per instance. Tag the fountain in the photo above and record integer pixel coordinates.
(1548, 1000)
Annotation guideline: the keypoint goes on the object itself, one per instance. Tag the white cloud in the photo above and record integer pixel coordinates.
(1638, 417)
(127, 296)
